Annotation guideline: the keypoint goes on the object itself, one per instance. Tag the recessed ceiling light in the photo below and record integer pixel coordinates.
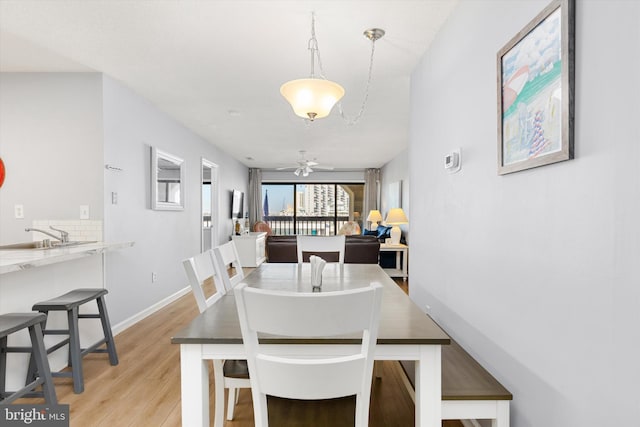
(234, 113)
(249, 158)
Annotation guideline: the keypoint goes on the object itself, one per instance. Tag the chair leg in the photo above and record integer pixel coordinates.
(75, 355)
(39, 353)
(231, 403)
(106, 328)
(260, 414)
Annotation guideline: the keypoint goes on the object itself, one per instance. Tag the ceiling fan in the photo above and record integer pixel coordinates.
(305, 166)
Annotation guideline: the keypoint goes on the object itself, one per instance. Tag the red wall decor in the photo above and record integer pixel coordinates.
(2, 172)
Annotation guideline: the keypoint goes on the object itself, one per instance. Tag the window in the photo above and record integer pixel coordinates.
(311, 208)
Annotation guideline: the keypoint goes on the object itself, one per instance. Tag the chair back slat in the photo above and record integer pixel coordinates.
(319, 245)
(290, 313)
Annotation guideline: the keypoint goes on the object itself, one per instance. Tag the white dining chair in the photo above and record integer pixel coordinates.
(309, 315)
(235, 372)
(318, 245)
(199, 269)
(223, 256)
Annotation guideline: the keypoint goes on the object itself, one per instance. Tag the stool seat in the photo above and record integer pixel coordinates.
(71, 299)
(71, 302)
(14, 322)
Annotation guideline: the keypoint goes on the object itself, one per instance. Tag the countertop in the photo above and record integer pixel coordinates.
(23, 259)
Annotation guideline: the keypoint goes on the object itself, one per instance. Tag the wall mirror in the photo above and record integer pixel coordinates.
(167, 181)
(209, 204)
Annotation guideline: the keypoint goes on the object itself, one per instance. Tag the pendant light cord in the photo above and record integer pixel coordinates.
(313, 46)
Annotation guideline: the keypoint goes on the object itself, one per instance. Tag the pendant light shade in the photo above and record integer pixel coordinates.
(312, 98)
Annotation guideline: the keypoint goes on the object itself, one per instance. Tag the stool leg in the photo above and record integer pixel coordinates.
(3, 365)
(32, 370)
(75, 354)
(39, 353)
(106, 328)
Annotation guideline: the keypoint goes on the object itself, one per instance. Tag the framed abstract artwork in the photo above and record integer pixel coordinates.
(536, 91)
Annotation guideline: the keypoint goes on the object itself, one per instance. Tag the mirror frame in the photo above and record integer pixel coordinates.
(215, 203)
(157, 205)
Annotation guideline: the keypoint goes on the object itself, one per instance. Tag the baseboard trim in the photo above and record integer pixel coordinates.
(127, 323)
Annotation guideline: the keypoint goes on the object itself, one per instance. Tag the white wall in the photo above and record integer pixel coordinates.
(536, 272)
(51, 145)
(162, 238)
(397, 170)
(57, 132)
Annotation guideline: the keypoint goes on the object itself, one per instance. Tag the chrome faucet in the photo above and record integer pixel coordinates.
(64, 236)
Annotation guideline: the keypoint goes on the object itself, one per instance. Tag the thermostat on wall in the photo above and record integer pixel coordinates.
(452, 161)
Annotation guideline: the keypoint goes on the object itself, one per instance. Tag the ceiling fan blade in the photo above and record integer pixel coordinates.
(326, 168)
(285, 168)
(310, 163)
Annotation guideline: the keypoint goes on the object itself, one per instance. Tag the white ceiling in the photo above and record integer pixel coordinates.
(217, 66)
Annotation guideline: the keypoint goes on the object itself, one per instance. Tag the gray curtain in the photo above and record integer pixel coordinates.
(255, 196)
(371, 191)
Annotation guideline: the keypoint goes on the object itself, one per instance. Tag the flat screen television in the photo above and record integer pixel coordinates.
(237, 199)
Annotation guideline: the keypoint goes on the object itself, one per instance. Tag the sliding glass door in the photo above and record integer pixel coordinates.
(311, 208)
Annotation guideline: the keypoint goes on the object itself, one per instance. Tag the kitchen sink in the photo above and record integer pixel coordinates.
(38, 245)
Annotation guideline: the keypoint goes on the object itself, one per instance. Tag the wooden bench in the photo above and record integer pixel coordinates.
(469, 391)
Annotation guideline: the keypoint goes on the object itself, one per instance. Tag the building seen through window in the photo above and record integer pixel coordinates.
(320, 209)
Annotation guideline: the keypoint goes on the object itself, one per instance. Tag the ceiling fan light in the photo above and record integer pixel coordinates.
(312, 98)
(297, 172)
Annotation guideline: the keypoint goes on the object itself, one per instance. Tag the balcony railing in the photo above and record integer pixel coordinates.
(320, 225)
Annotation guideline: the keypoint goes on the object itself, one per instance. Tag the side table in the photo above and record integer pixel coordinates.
(401, 269)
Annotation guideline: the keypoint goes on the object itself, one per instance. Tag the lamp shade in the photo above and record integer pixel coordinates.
(396, 216)
(312, 98)
(374, 216)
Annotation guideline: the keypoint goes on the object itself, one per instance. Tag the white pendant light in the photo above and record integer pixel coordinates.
(314, 97)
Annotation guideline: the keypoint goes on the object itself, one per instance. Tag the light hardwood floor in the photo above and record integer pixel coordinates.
(144, 389)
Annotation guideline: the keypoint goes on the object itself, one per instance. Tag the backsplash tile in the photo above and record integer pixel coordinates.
(81, 230)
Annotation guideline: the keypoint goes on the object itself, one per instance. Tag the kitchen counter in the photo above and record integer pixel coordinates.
(22, 259)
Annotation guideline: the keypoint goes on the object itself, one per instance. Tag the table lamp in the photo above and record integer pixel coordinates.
(396, 217)
(374, 218)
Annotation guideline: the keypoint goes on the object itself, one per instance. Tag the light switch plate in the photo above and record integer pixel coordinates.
(84, 211)
(18, 211)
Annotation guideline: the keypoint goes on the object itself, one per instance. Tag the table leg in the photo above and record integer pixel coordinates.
(405, 264)
(194, 384)
(218, 379)
(429, 387)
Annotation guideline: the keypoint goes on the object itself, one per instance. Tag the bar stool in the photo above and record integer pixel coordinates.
(14, 322)
(70, 302)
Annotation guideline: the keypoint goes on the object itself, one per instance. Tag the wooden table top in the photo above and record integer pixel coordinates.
(401, 321)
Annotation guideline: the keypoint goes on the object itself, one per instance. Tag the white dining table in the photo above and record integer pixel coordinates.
(405, 333)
